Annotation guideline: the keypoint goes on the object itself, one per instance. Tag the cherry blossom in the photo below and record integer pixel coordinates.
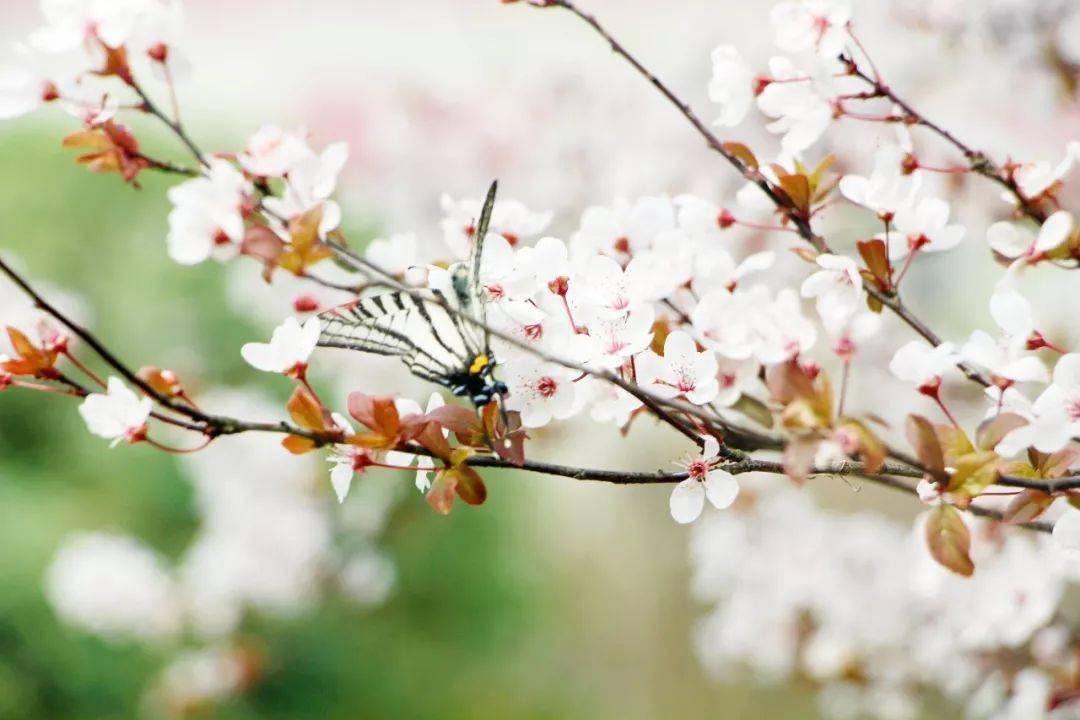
(820, 25)
(624, 228)
(1036, 179)
(613, 340)
(397, 255)
(1006, 357)
(722, 320)
(734, 377)
(888, 188)
(309, 185)
(799, 111)
(681, 372)
(288, 350)
(837, 286)
(548, 261)
(509, 218)
(613, 291)
(207, 213)
(705, 481)
(138, 23)
(118, 415)
(502, 275)
(923, 365)
(1054, 416)
(715, 267)
(113, 586)
(1010, 241)
(922, 226)
(272, 152)
(21, 92)
(540, 391)
(732, 85)
(1067, 530)
(780, 331)
(609, 403)
(848, 330)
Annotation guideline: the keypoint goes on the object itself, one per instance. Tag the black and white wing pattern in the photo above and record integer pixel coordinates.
(468, 289)
(421, 332)
(435, 336)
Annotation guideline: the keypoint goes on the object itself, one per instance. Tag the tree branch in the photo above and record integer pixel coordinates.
(782, 202)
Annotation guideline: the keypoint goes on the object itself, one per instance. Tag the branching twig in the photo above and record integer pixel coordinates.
(782, 202)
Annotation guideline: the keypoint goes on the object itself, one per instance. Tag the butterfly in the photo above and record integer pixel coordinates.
(435, 338)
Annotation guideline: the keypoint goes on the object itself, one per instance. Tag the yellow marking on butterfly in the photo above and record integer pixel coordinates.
(481, 362)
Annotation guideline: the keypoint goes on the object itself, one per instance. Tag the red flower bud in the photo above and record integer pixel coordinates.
(305, 304)
(159, 53)
(725, 219)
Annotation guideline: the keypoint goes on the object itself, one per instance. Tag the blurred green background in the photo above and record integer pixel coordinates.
(551, 601)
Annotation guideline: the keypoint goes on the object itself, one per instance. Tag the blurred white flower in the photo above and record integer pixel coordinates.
(731, 86)
(608, 402)
(135, 23)
(113, 586)
(509, 218)
(368, 578)
(1010, 241)
(117, 415)
(21, 92)
(623, 228)
(398, 256)
(714, 267)
(734, 378)
(207, 213)
(1037, 178)
(612, 340)
(723, 319)
(309, 185)
(837, 286)
(288, 350)
(1067, 530)
(819, 25)
(272, 152)
(780, 331)
(799, 111)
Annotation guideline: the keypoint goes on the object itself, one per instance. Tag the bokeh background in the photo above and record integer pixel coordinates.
(555, 599)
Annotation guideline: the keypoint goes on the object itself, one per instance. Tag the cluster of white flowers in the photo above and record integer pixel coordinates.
(857, 606)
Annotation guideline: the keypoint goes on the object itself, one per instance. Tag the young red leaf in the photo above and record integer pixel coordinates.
(1026, 506)
(923, 438)
(949, 541)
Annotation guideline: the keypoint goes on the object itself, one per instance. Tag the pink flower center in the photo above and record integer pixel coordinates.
(534, 331)
(698, 469)
(496, 291)
(546, 387)
(1073, 409)
(727, 380)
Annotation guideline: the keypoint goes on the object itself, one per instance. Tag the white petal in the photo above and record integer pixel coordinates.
(687, 501)
(341, 478)
(721, 488)
(1067, 530)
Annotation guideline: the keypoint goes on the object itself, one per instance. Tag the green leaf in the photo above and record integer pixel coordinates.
(754, 409)
(949, 541)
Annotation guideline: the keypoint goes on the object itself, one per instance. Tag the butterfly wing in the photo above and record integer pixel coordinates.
(421, 332)
(467, 288)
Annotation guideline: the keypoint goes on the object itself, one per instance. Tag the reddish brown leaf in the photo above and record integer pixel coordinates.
(297, 444)
(441, 495)
(876, 256)
(991, 431)
(306, 411)
(745, 155)
(924, 440)
(949, 541)
(1027, 506)
(470, 486)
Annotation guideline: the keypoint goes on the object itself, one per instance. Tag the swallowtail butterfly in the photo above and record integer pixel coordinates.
(436, 344)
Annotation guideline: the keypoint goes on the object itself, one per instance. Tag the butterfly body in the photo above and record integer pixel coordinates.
(439, 336)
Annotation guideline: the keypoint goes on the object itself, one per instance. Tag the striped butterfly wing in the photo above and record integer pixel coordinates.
(422, 333)
(467, 287)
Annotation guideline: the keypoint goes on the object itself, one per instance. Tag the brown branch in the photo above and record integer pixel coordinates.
(782, 202)
(978, 161)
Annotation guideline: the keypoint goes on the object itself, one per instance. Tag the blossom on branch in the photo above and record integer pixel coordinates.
(705, 481)
(118, 414)
(288, 350)
(682, 371)
(208, 214)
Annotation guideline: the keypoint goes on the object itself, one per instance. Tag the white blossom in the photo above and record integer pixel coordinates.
(922, 226)
(731, 86)
(681, 372)
(288, 350)
(207, 213)
(113, 586)
(117, 415)
(705, 481)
